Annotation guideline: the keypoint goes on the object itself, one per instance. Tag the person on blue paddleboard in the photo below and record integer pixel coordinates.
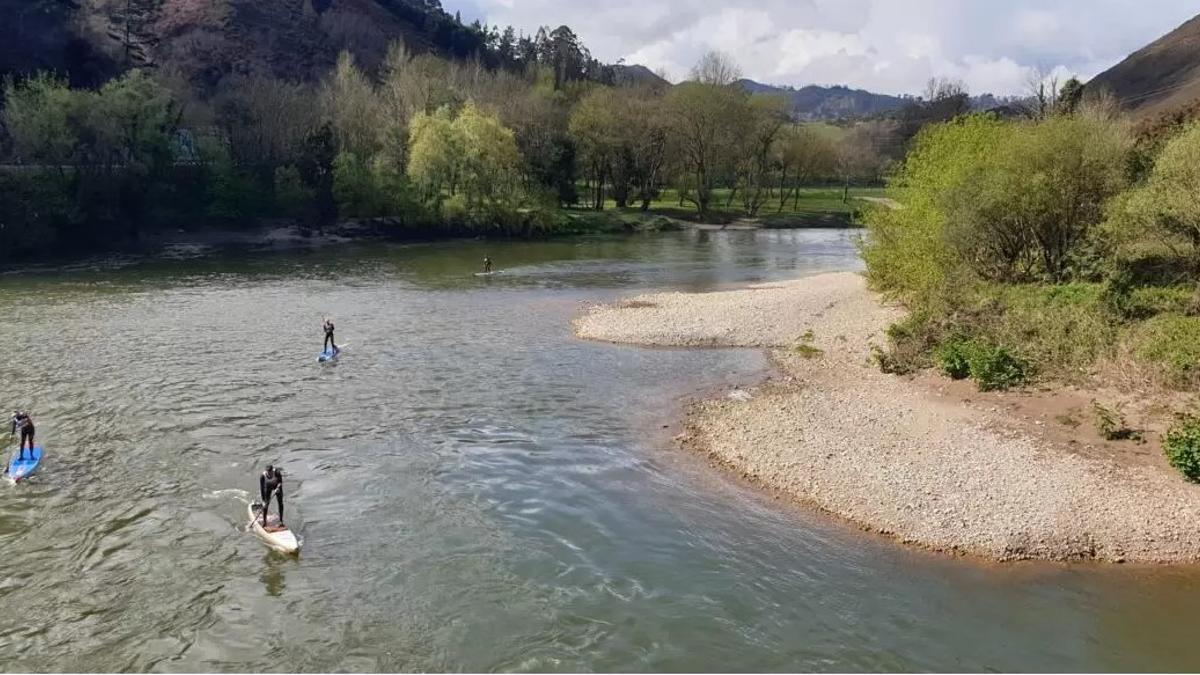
(270, 483)
(23, 422)
(329, 336)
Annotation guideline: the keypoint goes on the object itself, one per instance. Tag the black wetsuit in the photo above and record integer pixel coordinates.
(329, 336)
(487, 265)
(268, 485)
(24, 422)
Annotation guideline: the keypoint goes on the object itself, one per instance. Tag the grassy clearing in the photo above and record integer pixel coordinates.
(816, 207)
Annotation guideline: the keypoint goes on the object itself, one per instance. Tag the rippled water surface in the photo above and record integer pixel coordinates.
(476, 489)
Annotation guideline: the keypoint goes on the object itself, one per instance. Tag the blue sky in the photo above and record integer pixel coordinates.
(888, 46)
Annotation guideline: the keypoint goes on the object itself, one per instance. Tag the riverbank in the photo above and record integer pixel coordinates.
(927, 463)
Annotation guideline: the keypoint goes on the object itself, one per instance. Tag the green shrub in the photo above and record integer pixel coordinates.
(1182, 447)
(954, 358)
(1111, 424)
(994, 367)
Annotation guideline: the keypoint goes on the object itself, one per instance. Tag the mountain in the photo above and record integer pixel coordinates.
(837, 102)
(1160, 77)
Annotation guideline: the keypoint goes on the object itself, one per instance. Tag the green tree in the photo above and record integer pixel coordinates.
(596, 127)
(490, 159)
(435, 152)
(40, 117)
(701, 119)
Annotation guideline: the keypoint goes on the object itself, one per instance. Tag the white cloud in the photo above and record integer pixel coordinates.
(890, 46)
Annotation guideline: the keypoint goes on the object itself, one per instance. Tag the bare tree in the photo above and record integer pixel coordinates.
(857, 158)
(942, 88)
(716, 68)
(1042, 85)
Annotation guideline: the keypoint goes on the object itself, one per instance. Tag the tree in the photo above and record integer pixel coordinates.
(566, 56)
(805, 154)
(265, 120)
(489, 159)
(856, 158)
(1069, 97)
(434, 153)
(763, 117)
(716, 68)
(40, 116)
(943, 100)
(700, 118)
(646, 139)
(352, 108)
(596, 128)
(1042, 85)
(472, 153)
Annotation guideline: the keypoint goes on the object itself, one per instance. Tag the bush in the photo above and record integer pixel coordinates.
(994, 367)
(954, 359)
(1182, 447)
(1111, 424)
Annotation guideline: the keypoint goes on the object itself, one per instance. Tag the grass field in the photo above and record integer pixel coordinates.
(816, 207)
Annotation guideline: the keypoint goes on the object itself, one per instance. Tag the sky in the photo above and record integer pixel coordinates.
(885, 46)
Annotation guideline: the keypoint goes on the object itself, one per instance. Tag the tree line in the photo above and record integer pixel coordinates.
(434, 146)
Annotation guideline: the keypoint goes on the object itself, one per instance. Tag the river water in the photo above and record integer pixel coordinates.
(475, 488)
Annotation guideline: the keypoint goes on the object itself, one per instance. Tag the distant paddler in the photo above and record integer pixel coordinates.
(487, 265)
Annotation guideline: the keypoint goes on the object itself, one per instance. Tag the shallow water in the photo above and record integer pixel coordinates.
(476, 489)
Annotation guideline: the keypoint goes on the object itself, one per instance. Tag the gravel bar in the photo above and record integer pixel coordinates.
(888, 455)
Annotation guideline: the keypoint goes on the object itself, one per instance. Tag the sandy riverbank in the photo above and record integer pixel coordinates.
(896, 455)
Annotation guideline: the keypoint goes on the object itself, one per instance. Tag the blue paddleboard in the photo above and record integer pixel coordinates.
(328, 355)
(21, 468)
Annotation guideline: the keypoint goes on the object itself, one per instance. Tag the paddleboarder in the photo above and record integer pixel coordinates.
(24, 422)
(271, 483)
(487, 265)
(329, 336)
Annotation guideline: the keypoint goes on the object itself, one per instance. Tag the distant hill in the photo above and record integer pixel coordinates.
(826, 103)
(838, 102)
(637, 75)
(1160, 77)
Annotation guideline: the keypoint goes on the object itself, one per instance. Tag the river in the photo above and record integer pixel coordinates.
(476, 489)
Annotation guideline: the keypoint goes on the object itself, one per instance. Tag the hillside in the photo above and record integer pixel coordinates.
(205, 41)
(1160, 77)
(42, 35)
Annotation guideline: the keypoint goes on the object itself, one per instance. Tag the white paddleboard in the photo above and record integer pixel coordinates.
(275, 537)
